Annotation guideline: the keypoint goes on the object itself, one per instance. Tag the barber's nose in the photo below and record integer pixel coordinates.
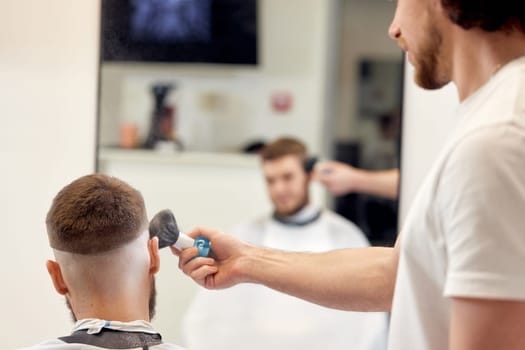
(394, 31)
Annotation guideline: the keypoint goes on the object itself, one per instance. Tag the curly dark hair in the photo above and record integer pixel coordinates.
(489, 15)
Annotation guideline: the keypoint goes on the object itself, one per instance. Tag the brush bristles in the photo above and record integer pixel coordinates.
(164, 226)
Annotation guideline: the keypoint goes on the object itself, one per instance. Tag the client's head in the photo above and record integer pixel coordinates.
(105, 262)
(287, 181)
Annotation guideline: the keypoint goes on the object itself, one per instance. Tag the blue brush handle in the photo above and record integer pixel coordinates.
(203, 245)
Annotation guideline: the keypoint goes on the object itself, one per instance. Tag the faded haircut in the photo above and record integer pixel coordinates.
(284, 146)
(95, 214)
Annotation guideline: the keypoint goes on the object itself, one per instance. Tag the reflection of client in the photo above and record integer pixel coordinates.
(105, 265)
(254, 317)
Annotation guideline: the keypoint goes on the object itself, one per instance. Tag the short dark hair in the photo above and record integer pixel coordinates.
(489, 15)
(283, 146)
(94, 214)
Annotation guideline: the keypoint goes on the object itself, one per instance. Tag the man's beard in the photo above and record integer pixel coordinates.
(152, 302)
(428, 62)
(152, 299)
(303, 203)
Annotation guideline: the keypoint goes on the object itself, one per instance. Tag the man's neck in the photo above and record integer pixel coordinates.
(125, 307)
(304, 216)
(479, 55)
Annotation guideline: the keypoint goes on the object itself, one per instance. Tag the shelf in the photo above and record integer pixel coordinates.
(108, 154)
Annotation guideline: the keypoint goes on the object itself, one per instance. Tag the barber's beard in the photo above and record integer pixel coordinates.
(429, 65)
(152, 302)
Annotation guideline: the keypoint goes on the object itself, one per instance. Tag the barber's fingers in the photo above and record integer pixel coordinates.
(338, 178)
(324, 170)
(185, 255)
(195, 264)
(197, 232)
(317, 173)
(175, 251)
(188, 259)
(203, 232)
(204, 275)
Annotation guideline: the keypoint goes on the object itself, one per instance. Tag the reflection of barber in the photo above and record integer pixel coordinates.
(340, 178)
(455, 278)
(276, 321)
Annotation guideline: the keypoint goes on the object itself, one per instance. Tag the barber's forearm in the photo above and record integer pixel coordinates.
(350, 279)
(383, 183)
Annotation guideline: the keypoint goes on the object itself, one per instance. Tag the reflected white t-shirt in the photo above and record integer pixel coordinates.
(465, 233)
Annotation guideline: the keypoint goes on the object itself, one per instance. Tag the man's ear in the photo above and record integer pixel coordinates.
(56, 277)
(153, 248)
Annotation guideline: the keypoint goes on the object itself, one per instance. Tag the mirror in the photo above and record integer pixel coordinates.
(177, 111)
(369, 105)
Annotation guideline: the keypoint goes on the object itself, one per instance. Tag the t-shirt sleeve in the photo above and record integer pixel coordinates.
(481, 203)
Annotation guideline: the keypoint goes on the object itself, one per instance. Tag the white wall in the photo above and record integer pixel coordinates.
(48, 70)
(428, 119)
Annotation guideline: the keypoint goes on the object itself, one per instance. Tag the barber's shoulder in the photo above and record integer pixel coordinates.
(489, 148)
(488, 161)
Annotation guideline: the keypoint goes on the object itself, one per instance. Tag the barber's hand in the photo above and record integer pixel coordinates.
(338, 178)
(222, 271)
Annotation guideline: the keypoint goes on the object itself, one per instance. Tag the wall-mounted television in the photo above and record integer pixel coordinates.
(185, 31)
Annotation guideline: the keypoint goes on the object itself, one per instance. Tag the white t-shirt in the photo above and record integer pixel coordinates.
(254, 317)
(95, 326)
(465, 233)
